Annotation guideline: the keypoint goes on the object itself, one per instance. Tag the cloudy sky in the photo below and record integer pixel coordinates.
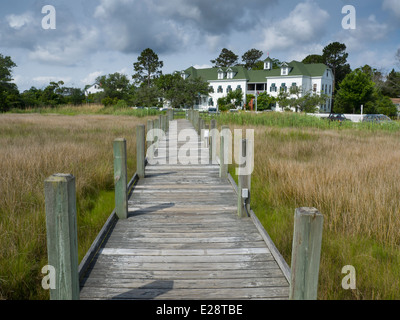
(97, 37)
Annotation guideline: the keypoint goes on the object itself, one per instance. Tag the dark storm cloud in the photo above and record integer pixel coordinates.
(167, 26)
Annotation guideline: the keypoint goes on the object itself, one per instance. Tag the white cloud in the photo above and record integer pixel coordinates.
(367, 32)
(91, 77)
(71, 49)
(42, 81)
(392, 6)
(305, 25)
(202, 66)
(19, 21)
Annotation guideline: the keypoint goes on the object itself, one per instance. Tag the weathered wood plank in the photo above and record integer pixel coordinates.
(196, 294)
(100, 282)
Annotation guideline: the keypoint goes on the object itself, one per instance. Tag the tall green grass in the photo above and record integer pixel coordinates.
(299, 120)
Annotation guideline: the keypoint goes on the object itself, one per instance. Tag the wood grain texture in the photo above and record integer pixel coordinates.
(183, 240)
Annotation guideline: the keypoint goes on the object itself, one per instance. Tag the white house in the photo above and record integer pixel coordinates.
(94, 88)
(315, 78)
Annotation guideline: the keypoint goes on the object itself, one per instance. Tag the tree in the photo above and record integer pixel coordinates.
(313, 58)
(115, 86)
(226, 59)
(335, 57)
(9, 94)
(193, 88)
(283, 99)
(180, 92)
(52, 94)
(232, 100)
(251, 58)
(355, 90)
(265, 101)
(391, 87)
(147, 67)
(147, 96)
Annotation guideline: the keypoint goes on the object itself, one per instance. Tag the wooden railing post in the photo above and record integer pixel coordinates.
(224, 153)
(140, 151)
(156, 128)
(170, 114)
(199, 125)
(150, 138)
(62, 240)
(244, 182)
(120, 178)
(212, 141)
(306, 253)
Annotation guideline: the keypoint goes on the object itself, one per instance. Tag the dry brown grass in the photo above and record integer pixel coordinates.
(353, 178)
(33, 147)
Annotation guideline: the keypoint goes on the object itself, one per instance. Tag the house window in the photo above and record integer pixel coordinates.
(211, 89)
(211, 102)
(283, 87)
(273, 88)
(294, 86)
(239, 87)
(330, 89)
(315, 87)
(229, 89)
(220, 90)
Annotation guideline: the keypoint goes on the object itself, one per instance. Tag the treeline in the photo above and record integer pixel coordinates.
(149, 88)
(365, 86)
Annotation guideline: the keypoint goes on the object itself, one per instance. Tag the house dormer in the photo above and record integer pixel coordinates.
(285, 69)
(230, 73)
(220, 74)
(268, 64)
(184, 75)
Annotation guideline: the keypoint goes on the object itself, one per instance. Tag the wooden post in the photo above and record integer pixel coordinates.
(120, 178)
(62, 239)
(223, 154)
(213, 143)
(306, 252)
(150, 128)
(140, 151)
(156, 128)
(199, 126)
(244, 182)
(170, 114)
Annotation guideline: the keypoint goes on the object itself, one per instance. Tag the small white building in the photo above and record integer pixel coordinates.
(94, 88)
(313, 78)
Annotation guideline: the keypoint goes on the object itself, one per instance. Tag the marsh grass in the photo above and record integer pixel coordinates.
(87, 109)
(33, 147)
(352, 177)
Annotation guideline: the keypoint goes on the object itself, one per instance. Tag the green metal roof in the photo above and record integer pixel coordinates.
(256, 76)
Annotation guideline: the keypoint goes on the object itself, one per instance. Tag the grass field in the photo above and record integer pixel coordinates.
(350, 173)
(33, 147)
(352, 176)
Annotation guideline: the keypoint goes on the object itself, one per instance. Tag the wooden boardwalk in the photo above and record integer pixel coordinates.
(183, 240)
